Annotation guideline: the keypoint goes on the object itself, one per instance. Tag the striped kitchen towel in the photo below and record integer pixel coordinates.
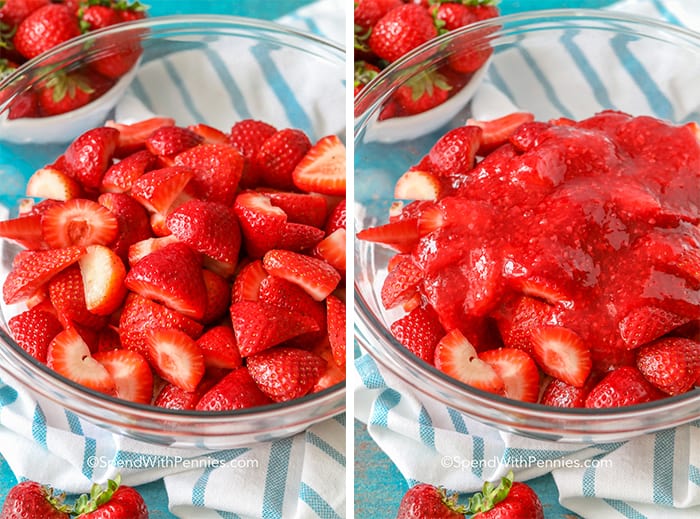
(298, 477)
(652, 476)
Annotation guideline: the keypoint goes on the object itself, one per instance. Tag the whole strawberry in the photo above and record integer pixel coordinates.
(401, 30)
(45, 28)
(114, 502)
(64, 92)
(508, 500)
(31, 500)
(423, 500)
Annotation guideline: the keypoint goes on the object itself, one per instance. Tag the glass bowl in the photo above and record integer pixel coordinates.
(213, 70)
(556, 63)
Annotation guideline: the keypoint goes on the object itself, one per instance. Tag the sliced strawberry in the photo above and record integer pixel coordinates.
(518, 372)
(246, 286)
(456, 357)
(333, 374)
(67, 295)
(284, 294)
(132, 137)
(431, 219)
(261, 223)
(308, 209)
(322, 170)
(157, 189)
(561, 353)
(544, 289)
(286, 373)
(25, 230)
(497, 131)
(217, 171)
(120, 177)
(419, 331)
(218, 296)
(143, 248)
(332, 249)
(402, 281)
(168, 141)
(520, 316)
(454, 152)
(336, 328)
(90, 155)
(219, 347)
(139, 315)
(108, 339)
(210, 228)
(647, 323)
(259, 326)
(103, 275)
(132, 220)
(70, 356)
(237, 390)
(558, 393)
(209, 134)
(622, 387)
(672, 364)
(176, 357)
(277, 157)
(172, 276)
(401, 235)
(78, 222)
(35, 269)
(173, 397)
(417, 185)
(315, 276)
(131, 374)
(247, 136)
(298, 237)
(49, 182)
(33, 330)
(337, 217)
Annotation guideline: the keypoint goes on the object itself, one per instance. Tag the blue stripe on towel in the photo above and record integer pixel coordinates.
(549, 91)
(234, 92)
(625, 509)
(39, 426)
(387, 400)
(141, 94)
(478, 454)
(457, 421)
(425, 428)
(309, 496)
(179, 83)
(665, 13)
(326, 447)
(664, 456)
(694, 475)
(7, 395)
(276, 479)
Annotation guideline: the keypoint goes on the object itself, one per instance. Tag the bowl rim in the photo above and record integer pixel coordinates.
(369, 330)
(327, 402)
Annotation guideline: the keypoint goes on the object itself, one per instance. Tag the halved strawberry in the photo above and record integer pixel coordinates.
(247, 136)
(70, 356)
(49, 182)
(558, 393)
(121, 176)
(67, 295)
(90, 155)
(33, 330)
(332, 249)
(219, 347)
(176, 357)
(497, 131)
(622, 387)
(132, 220)
(277, 157)
(671, 364)
(246, 286)
(304, 208)
(322, 169)
(143, 248)
(402, 281)
(103, 274)
(172, 276)
(259, 326)
(336, 318)
(647, 323)
(285, 294)
(455, 356)
(132, 137)
(401, 235)
(78, 222)
(218, 296)
(454, 152)
(520, 316)
(209, 134)
(431, 219)
(544, 289)
(24, 230)
(217, 171)
(333, 374)
(35, 269)
(237, 390)
(337, 217)
(419, 331)
(417, 185)
(561, 353)
(517, 370)
(168, 141)
(315, 276)
(131, 373)
(261, 223)
(157, 189)
(298, 237)
(285, 373)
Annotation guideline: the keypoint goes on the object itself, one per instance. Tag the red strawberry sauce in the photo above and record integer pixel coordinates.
(597, 217)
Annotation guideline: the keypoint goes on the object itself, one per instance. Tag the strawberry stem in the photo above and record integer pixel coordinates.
(490, 495)
(98, 497)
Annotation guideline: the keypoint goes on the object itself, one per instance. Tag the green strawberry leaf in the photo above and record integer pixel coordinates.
(490, 495)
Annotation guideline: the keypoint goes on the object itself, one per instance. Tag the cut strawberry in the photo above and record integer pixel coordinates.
(168, 141)
(35, 269)
(308, 209)
(209, 134)
(544, 289)
(670, 364)
(332, 249)
(647, 323)
(143, 248)
(298, 237)
(108, 339)
(454, 152)
(497, 131)
(173, 397)
(70, 356)
(561, 353)
(158, 189)
(33, 330)
(402, 281)
(558, 393)
(336, 318)
(218, 345)
(337, 217)
(315, 276)
(217, 171)
(49, 182)
(431, 219)
(520, 316)
(322, 170)
(401, 235)
(120, 177)
(67, 295)
(132, 220)
(218, 296)
(261, 223)
(103, 275)
(90, 155)
(132, 137)
(419, 331)
(259, 326)
(172, 276)
(247, 136)
(456, 357)
(131, 374)
(417, 185)
(78, 222)
(246, 286)
(25, 230)
(284, 294)
(286, 373)
(237, 390)
(622, 387)
(277, 157)
(518, 372)
(333, 374)
(176, 357)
